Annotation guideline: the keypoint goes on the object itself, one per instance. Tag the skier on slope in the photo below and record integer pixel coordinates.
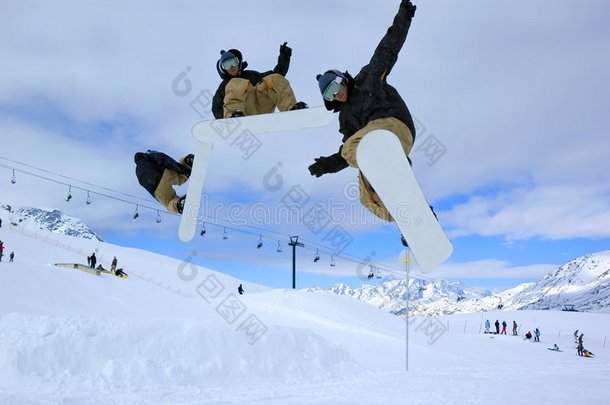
(158, 173)
(366, 103)
(248, 92)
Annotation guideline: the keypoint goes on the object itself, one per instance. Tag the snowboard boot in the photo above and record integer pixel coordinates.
(237, 113)
(301, 105)
(180, 204)
(432, 209)
(188, 160)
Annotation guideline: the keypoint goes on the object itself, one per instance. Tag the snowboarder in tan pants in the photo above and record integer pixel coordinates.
(366, 103)
(158, 173)
(248, 92)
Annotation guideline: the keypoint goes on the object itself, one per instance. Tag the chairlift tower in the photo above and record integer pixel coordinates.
(294, 242)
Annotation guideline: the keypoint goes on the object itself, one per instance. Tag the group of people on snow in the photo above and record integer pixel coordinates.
(365, 102)
(497, 325)
(92, 261)
(578, 338)
(580, 348)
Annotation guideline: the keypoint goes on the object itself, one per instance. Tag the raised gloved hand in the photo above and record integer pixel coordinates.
(285, 49)
(319, 167)
(410, 7)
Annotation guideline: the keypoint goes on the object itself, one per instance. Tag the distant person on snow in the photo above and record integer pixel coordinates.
(528, 335)
(11, 256)
(536, 335)
(366, 103)
(487, 326)
(113, 264)
(1, 249)
(92, 260)
(248, 92)
(503, 327)
(497, 325)
(579, 349)
(120, 273)
(158, 173)
(515, 333)
(576, 336)
(240, 290)
(580, 338)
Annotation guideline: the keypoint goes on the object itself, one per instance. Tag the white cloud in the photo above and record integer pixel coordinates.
(492, 269)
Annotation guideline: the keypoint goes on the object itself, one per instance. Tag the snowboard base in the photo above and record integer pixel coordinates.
(208, 132)
(384, 164)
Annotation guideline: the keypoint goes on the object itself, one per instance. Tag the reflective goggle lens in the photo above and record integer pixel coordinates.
(230, 63)
(333, 88)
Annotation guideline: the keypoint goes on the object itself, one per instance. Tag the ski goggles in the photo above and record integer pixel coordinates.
(332, 89)
(230, 63)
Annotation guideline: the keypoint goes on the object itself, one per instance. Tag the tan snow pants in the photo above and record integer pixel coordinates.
(165, 192)
(271, 92)
(368, 196)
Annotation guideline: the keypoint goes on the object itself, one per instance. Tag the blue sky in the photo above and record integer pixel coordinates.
(510, 101)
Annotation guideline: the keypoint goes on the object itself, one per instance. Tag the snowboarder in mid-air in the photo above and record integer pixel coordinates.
(248, 92)
(158, 173)
(366, 103)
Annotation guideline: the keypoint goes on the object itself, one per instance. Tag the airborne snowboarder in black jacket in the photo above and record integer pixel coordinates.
(158, 173)
(366, 103)
(248, 92)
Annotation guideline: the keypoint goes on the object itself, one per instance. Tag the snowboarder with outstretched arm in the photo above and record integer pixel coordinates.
(368, 102)
(248, 92)
(158, 173)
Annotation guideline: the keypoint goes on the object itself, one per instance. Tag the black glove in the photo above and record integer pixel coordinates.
(318, 168)
(237, 113)
(410, 7)
(285, 50)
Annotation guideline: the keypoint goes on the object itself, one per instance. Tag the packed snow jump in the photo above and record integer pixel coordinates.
(375, 123)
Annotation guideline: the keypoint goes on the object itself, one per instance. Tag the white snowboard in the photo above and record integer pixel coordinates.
(382, 161)
(206, 133)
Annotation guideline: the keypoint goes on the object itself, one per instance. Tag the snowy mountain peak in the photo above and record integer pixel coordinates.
(583, 283)
(51, 220)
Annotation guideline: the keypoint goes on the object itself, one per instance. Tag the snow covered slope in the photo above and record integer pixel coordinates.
(176, 333)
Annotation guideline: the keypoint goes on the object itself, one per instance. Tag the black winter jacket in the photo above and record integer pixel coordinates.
(150, 167)
(369, 95)
(283, 63)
